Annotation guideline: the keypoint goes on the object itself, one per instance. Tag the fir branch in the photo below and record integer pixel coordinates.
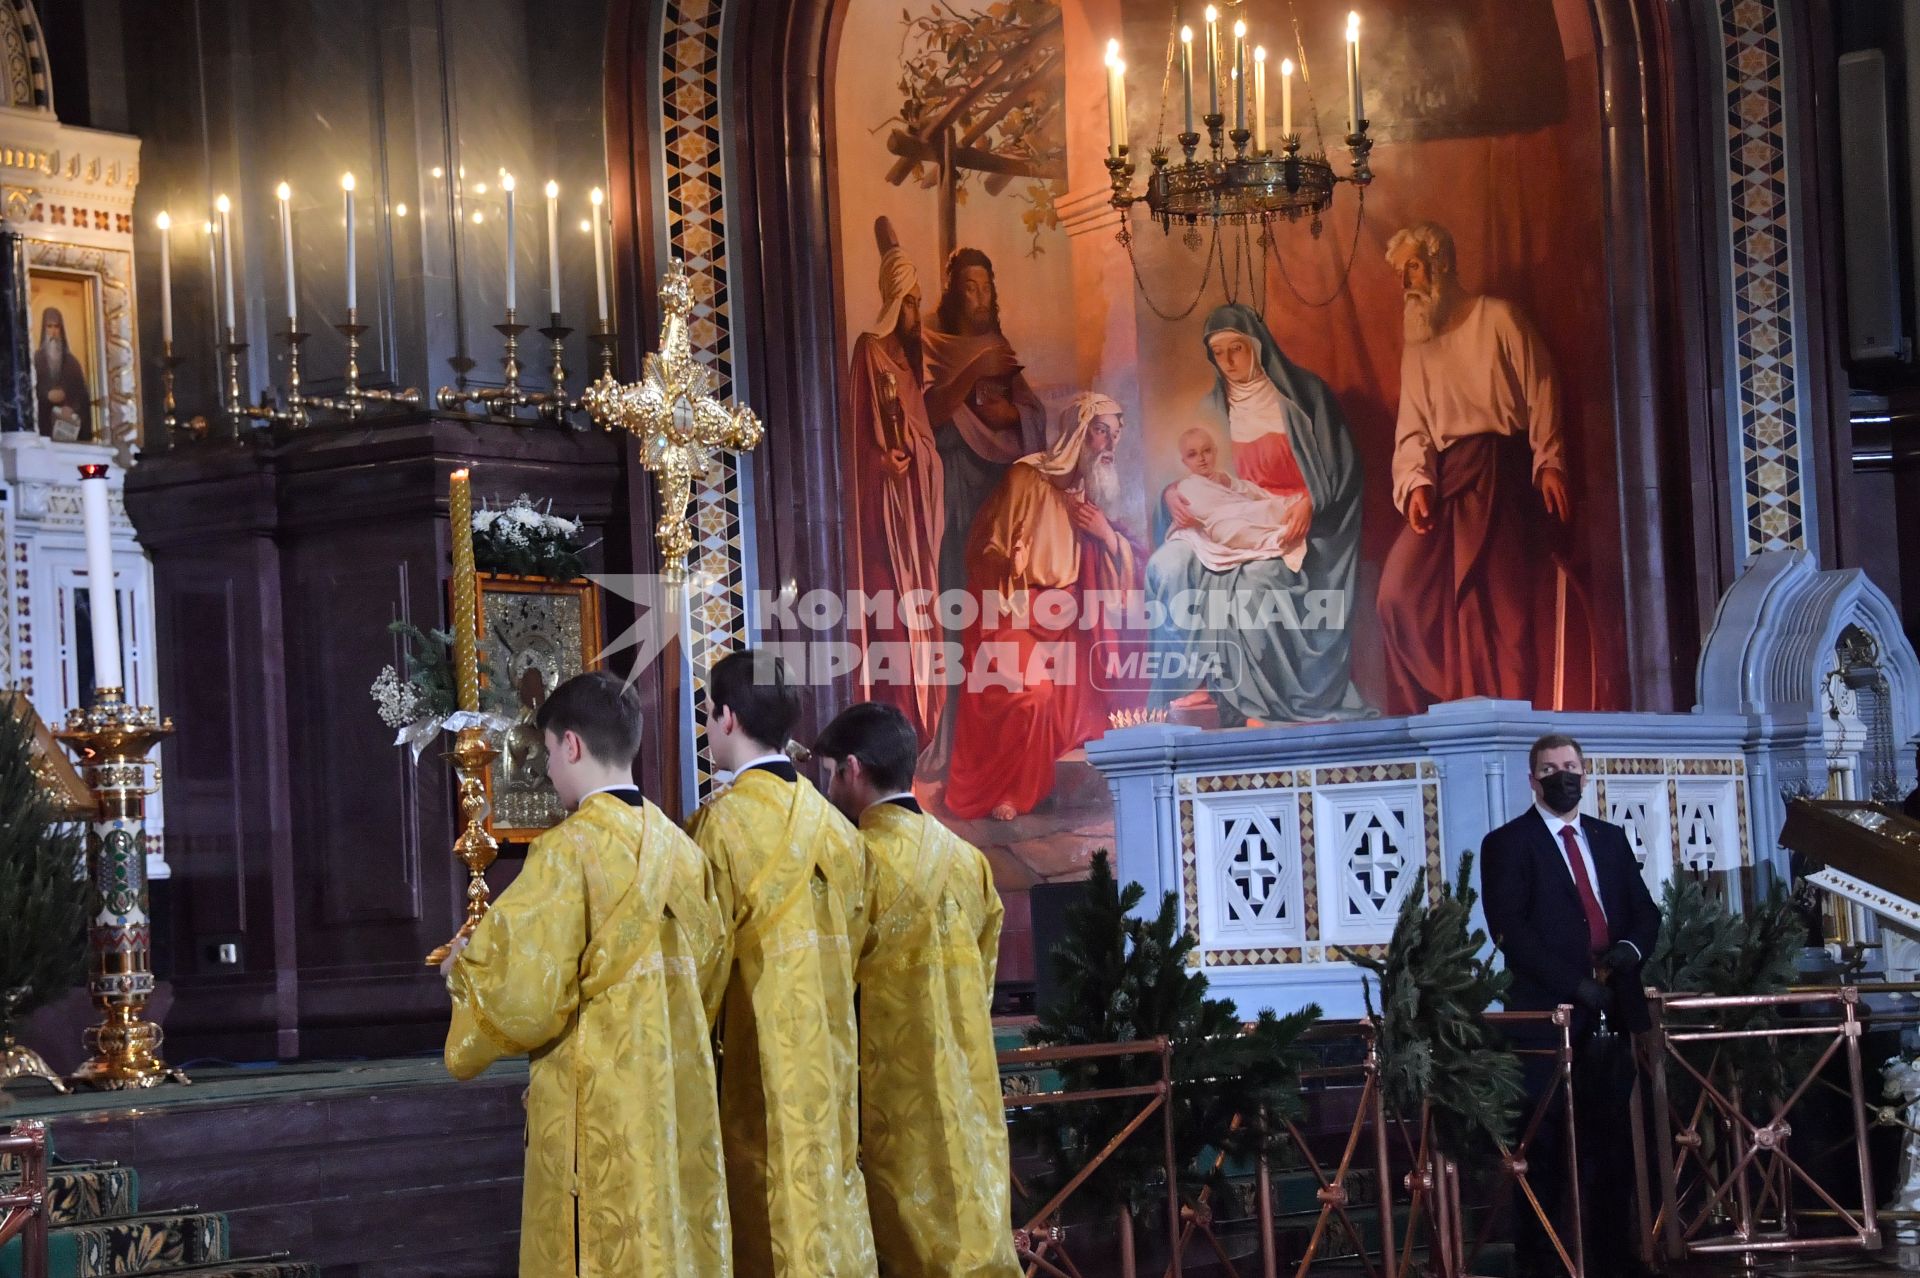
(46, 897)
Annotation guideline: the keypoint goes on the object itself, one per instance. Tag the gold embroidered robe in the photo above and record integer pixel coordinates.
(604, 961)
(791, 872)
(933, 1134)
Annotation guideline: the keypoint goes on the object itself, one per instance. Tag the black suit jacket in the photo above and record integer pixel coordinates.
(1534, 913)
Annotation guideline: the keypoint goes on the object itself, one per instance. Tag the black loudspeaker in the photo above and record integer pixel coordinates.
(1048, 904)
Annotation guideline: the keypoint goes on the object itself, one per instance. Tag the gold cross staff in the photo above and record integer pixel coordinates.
(680, 425)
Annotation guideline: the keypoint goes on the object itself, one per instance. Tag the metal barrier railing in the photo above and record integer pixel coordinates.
(1041, 1243)
(23, 1209)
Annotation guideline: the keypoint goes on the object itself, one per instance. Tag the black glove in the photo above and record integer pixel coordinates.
(1593, 996)
(1620, 957)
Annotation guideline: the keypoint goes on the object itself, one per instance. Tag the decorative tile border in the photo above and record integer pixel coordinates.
(696, 231)
(1771, 511)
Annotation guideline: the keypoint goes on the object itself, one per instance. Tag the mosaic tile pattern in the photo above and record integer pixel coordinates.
(697, 235)
(1771, 511)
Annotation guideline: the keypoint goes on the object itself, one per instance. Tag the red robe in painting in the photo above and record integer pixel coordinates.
(900, 519)
(1006, 740)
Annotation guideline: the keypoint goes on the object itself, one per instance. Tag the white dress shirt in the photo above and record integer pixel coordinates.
(1555, 824)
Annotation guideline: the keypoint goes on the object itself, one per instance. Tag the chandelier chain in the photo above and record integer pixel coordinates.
(1306, 80)
(1353, 253)
(1206, 276)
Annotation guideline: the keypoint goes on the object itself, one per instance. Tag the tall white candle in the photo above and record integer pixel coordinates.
(599, 257)
(1186, 75)
(1286, 100)
(224, 207)
(1355, 111)
(1116, 99)
(1239, 75)
(507, 185)
(1260, 98)
(285, 193)
(165, 223)
(553, 247)
(353, 289)
(1213, 61)
(105, 604)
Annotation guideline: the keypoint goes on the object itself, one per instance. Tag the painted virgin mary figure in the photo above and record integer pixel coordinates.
(1290, 438)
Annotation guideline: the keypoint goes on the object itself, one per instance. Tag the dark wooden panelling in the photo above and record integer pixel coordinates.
(298, 825)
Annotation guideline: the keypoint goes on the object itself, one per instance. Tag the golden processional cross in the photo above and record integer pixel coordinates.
(672, 411)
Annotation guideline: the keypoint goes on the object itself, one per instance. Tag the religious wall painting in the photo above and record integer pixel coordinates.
(535, 634)
(1394, 437)
(69, 367)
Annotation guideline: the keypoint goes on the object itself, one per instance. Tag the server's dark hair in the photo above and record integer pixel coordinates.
(878, 735)
(601, 710)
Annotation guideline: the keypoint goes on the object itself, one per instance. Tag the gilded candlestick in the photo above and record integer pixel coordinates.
(169, 369)
(112, 740)
(230, 351)
(555, 406)
(471, 757)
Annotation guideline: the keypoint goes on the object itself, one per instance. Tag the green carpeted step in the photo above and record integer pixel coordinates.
(127, 1245)
(82, 1192)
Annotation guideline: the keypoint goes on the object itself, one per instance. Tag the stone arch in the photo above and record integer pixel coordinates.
(24, 80)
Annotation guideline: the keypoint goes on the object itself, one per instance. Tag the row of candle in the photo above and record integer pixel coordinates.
(1117, 83)
(221, 229)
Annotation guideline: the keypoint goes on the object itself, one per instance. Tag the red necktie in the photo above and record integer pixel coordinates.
(1597, 936)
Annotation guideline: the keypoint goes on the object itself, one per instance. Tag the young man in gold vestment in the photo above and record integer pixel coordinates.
(604, 962)
(792, 876)
(933, 1135)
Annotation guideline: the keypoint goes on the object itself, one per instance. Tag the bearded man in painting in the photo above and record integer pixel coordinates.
(1479, 432)
(1031, 690)
(985, 415)
(60, 383)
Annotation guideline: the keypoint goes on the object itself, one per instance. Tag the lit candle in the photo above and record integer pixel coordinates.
(599, 256)
(553, 246)
(1260, 98)
(1355, 111)
(1116, 99)
(466, 647)
(105, 603)
(1286, 101)
(1186, 74)
(224, 207)
(1239, 76)
(353, 291)
(285, 193)
(506, 184)
(165, 223)
(1213, 61)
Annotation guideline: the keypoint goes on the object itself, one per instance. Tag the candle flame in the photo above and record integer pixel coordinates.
(164, 221)
(553, 190)
(1353, 26)
(1239, 30)
(506, 183)
(1186, 35)
(207, 227)
(1120, 65)
(460, 476)
(1286, 66)
(223, 205)
(586, 227)
(437, 172)
(1113, 51)
(597, 196)
(479, 188)
(1259, 53)
(400, 210)
(346, 181)
(284, 191)
(1213, 15)
(479, 218)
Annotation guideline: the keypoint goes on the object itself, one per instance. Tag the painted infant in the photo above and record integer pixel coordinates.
(1237, 521)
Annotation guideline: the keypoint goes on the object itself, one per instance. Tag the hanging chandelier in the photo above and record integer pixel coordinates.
(1241, 179)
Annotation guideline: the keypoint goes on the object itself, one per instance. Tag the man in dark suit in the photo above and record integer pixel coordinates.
(1573, 919)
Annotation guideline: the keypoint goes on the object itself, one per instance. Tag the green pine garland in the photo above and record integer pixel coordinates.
(1126, 979)
(1436, 1046)
(44, 898)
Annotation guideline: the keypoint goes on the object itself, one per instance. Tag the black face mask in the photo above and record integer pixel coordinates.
(1561, 790)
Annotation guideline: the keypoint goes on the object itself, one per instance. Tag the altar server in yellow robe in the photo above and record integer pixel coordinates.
(791, 874)
(603, 962)
(933, 1135)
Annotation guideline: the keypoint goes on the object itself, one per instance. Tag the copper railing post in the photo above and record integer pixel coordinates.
(1670, 1239)
(1852, 1030)
(1644, 1246)
(1263, 1215)
(24, 1210)
(1563, 1019)
(1384, 1192)
(1173, 1170)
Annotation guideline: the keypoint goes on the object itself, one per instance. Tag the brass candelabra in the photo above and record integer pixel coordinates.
(112, 741)
(472, 756)
(506, 400)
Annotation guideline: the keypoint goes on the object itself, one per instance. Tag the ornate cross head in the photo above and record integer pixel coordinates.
(680, 426)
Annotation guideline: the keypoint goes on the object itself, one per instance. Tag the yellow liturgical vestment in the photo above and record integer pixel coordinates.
(791, 871)
(933, 1134)
(603, 962)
